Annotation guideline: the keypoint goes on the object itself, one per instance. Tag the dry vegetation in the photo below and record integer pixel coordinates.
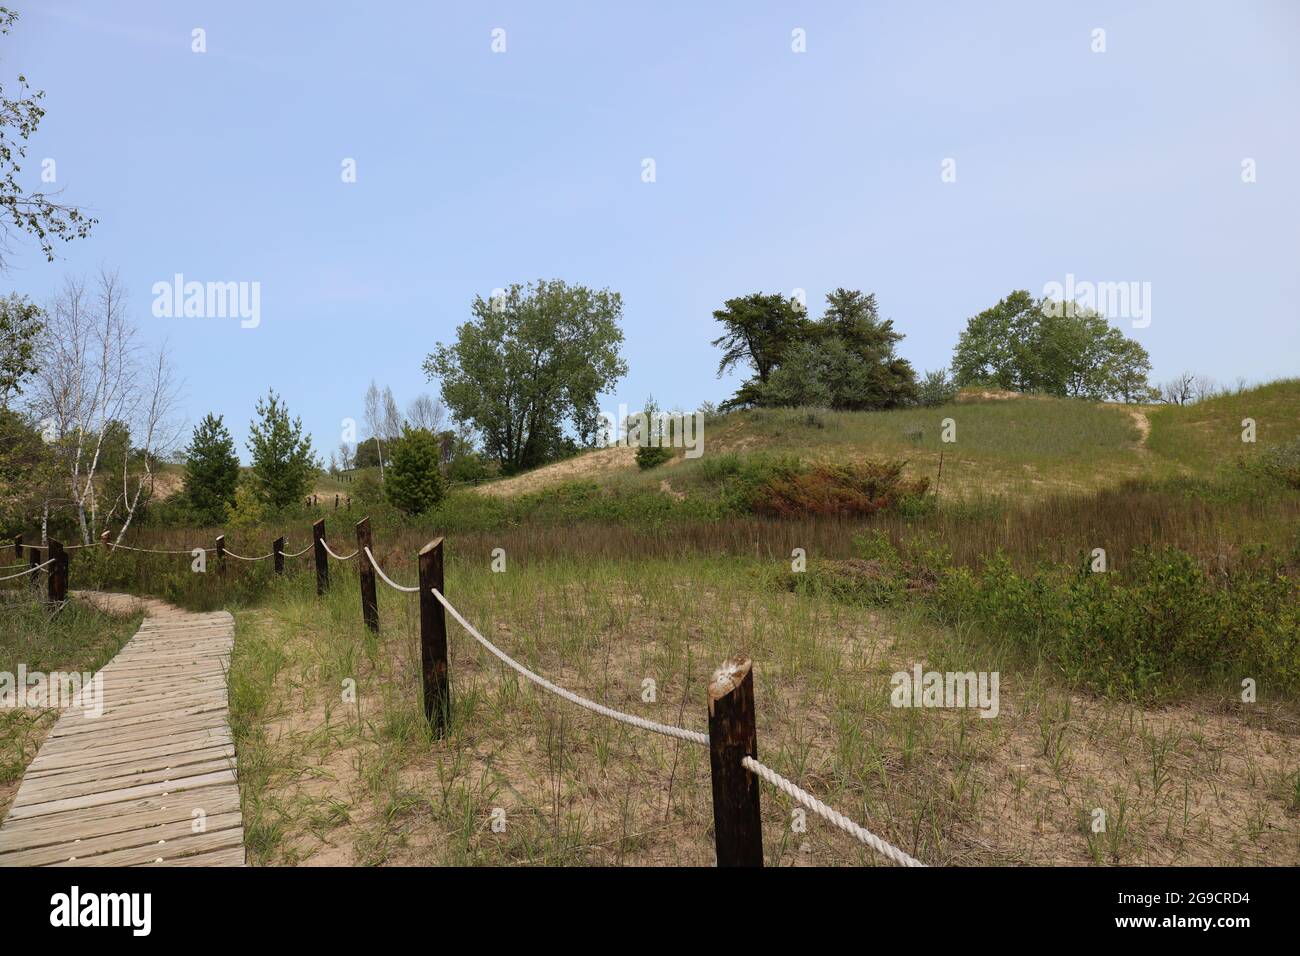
(1208, 781)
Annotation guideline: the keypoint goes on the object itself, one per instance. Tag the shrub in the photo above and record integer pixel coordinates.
(468, 467)
(1281, 463)
(247, 510)
(413, 483)
(858, 488)
(936, 388)
(650, 456)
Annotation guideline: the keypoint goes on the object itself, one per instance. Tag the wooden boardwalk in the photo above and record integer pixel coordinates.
(151, 780)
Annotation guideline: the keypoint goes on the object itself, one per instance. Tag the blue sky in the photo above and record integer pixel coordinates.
(775, 171)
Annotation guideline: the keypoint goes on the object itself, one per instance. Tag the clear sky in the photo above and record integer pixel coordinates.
(774, 171)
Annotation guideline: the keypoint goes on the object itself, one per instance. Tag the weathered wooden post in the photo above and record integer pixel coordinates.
(366, 574)
(277, 546)
(58, 572)
(433, 639)
(737, 825)
(322, 567)
(33, 562)
(18, 548)
(103, 539)
(336, 502)
(221, 554)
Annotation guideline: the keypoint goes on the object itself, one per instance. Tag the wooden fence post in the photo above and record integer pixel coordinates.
(336, 502)
(18, 548)
(433, 639)
(277, 547)
(58, 572)
(366, 574)
(322, 567)
(737, 826)
(221, 554)
(33, 561)
(103, 539)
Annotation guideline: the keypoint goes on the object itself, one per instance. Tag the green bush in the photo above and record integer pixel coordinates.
(413, 484)
(1281, 463)
(649, 456)
(1142, 631)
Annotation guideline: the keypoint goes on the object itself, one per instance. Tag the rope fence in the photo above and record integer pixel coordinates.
(32, 570)
(339, 557)
(731, 739)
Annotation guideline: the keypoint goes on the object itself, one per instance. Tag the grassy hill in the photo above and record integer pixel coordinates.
(1015, 446)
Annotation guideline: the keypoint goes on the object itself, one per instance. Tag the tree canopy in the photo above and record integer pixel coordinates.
(530, 363)
(20, 327)
(20, 211)
(1024, 344)
(847, 359)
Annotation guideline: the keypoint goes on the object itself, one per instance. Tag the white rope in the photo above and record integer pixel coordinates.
(681, 733)
(327, 547)
(771, 776)
(32, 570)
(240, 557)
(387, 580)
(298, 554)
(829, 814)
(125, 547)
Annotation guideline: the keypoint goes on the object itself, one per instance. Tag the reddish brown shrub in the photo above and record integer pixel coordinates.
(857, 488)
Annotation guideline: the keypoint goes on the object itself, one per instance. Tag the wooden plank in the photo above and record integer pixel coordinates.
(130, 763)
(115, 818)
(82, 850)
(232, 857)
(169, 852)
(122, 787)
(55, 789)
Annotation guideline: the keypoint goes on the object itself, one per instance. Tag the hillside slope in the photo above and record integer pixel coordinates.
(1006, 443)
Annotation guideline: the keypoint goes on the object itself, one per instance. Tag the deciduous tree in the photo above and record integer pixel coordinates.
(529, 364)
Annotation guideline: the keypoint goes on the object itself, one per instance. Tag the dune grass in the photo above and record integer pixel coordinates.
(614, 584)
(328, 778)
(1208, 435)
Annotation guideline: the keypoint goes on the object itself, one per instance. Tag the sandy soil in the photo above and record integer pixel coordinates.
(591, 464)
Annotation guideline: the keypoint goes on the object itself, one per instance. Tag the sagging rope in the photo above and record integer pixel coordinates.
(325, 544)
(387, 580)
(681, 733)
(829, 814)
(125, 547)
(32, 570)
(298, 554)
(764, 772)
(240, 557)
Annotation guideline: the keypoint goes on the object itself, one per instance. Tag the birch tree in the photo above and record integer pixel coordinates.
(106, 406)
